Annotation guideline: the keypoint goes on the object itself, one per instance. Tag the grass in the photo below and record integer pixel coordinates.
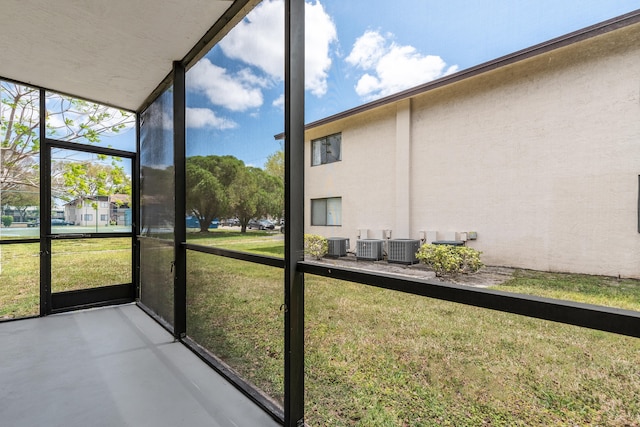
(378, 358)
(90, 263)
(19, 280)
(600, 290)
(381, 358)
(239, 318)
(76, 264)
(262, 242)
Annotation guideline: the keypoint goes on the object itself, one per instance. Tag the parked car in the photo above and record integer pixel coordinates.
(193, 222)
(35, 223)
(230, 222)
(261, 224)
(59, 221)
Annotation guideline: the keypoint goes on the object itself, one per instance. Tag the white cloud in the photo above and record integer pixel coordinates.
(390, 68)
(203, 117)
(238, 92)
(367, 50)
(279, 102)
(320, 34)
(259, 41)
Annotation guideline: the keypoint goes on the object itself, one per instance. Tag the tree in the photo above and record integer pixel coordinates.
(275, 164)
(242, 197)
(207, 181)
(68, 119)
(87, 181)
(254, 193)
(220, 186)
(21, 199)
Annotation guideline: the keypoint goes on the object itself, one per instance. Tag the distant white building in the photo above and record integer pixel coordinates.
(99, 210)
(537, 152)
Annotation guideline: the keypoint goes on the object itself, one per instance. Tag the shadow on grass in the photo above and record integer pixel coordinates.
(276, 250)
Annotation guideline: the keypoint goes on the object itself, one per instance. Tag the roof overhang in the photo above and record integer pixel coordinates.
(116, 52)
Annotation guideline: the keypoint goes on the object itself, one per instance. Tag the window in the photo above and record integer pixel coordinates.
(326, 211)
(104, 204)
(103, 217)
(326, 150)
(88, 217)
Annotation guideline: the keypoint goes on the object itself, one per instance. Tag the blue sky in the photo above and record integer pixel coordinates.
(358, 51)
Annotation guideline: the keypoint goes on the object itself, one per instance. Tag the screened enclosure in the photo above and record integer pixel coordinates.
(191, 199)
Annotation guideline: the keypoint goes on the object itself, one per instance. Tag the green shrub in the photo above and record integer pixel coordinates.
(450, 260)
(7, 220)
(315, 245)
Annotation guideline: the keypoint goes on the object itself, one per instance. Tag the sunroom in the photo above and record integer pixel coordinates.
(124, 121)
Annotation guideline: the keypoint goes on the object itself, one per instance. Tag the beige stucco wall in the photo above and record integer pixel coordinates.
(364, 178)
(541, 158)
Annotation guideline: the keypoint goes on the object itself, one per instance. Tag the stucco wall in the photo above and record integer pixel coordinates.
(364, 178)
(541, 158)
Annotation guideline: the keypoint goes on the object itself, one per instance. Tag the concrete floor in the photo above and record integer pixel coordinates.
(113, 367)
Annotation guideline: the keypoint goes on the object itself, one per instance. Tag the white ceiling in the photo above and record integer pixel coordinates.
(111, 51)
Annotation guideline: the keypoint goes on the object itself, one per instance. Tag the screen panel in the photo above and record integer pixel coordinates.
(19, 280)
(157, 189)
(91, 193)
(516, 138)
(234, 311)
(385, 358)
(90, 263)
(83, 122)
(19, 161)
(235, 107)
(156, 277)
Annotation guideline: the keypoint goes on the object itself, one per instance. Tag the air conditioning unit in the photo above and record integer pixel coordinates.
(369, 249)
(337, 246)
(403, 251)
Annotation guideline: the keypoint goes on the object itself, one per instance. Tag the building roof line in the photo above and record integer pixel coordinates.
(520, 55)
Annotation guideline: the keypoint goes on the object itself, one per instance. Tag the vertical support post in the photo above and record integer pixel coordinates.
(135, 204)
(402, 225)
(45, 210)
(180, 228)
(294, 214)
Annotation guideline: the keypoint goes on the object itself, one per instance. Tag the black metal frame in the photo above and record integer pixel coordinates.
(241, 256)
(45, 212)
(248, 389)
(83, 298)
(294, 213)
(607, 319)
(180, 227)
(90, 297)
(93, 297)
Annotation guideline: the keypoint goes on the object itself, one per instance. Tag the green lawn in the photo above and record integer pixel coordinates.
(76, 264)
(381, 358)
(19, 280)
(600, 290)
(262, 242)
